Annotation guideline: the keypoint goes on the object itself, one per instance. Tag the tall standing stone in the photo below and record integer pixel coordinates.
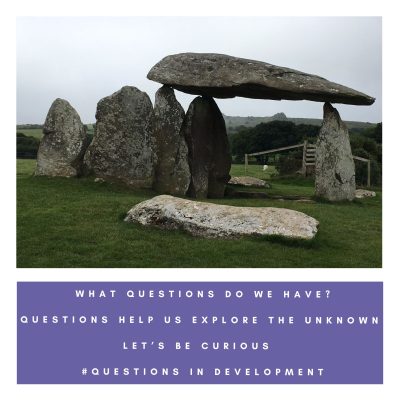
(172, 173)
(209, 155)
(123, 145)
(64, 142)
(334, 164)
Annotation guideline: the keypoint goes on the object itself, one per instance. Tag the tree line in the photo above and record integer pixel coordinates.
(366, 143)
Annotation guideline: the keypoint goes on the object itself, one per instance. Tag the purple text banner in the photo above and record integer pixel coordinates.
(200, 332)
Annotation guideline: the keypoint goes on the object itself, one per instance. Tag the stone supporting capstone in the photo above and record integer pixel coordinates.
(334, 164)
(209, 155)
(172, 172)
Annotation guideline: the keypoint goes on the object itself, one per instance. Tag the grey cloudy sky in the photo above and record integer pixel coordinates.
(85, 59)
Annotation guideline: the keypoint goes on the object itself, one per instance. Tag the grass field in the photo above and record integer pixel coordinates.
(78, 223)
(253, 170)
(37, 133)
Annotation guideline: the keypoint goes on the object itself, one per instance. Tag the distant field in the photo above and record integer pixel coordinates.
(72, 223)
(249, 122)
(37, 133)
(255, 171)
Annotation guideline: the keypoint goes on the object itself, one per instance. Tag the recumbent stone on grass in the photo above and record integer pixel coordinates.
(220, 221)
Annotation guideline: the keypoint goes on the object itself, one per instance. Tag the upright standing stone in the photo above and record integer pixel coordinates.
(123, 144)
(172, 173)
(334, 164)
(64, 142)
(209, 155)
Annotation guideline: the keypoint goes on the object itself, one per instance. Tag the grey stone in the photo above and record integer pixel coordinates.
(247, 181)
(123, 144)
(64, 142)
(362, 193)
(172, 173)
(334, 164)
(209, 154)
(220, 221)
(223, 76)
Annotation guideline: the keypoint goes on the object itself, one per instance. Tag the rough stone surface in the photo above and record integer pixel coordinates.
(334, 165)
(219, 75)
(64, 142)
(361, 193)
(123, 144)
(172, 173)
(247, 181)
(209, 155)
(220, 221)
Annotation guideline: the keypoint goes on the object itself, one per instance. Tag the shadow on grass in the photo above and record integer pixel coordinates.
(289, 242)
(321, 200)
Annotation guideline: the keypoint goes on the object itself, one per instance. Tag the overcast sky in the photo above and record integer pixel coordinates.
(85, 59)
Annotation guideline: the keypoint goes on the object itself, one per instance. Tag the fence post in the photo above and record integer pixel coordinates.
(369, 174)
(304, 169)
(246, 161)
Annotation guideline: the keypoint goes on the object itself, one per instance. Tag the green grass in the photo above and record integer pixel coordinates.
(66, 223)
(256, 171)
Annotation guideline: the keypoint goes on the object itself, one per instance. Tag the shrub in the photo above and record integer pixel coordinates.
(362, 173)
(27, 146)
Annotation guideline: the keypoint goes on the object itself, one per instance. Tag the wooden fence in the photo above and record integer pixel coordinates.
(309, 153)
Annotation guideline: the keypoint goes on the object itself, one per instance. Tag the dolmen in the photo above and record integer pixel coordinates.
(187, 154)
(222, 76)
(210, 220)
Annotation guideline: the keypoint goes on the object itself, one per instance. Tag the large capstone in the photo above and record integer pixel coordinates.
(223, 76)
(220, 221)
(64, 142)
(334, 164)
(123, 144)
(172, 173)
(209, 154)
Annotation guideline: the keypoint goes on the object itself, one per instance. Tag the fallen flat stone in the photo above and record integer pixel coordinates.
(334, 164)
(362, 193)
(64, 142)
(172, 172)
(220, 221)
(247, 181)
(309, 201)
(99, 180)
(122, 148)
(223, 76)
